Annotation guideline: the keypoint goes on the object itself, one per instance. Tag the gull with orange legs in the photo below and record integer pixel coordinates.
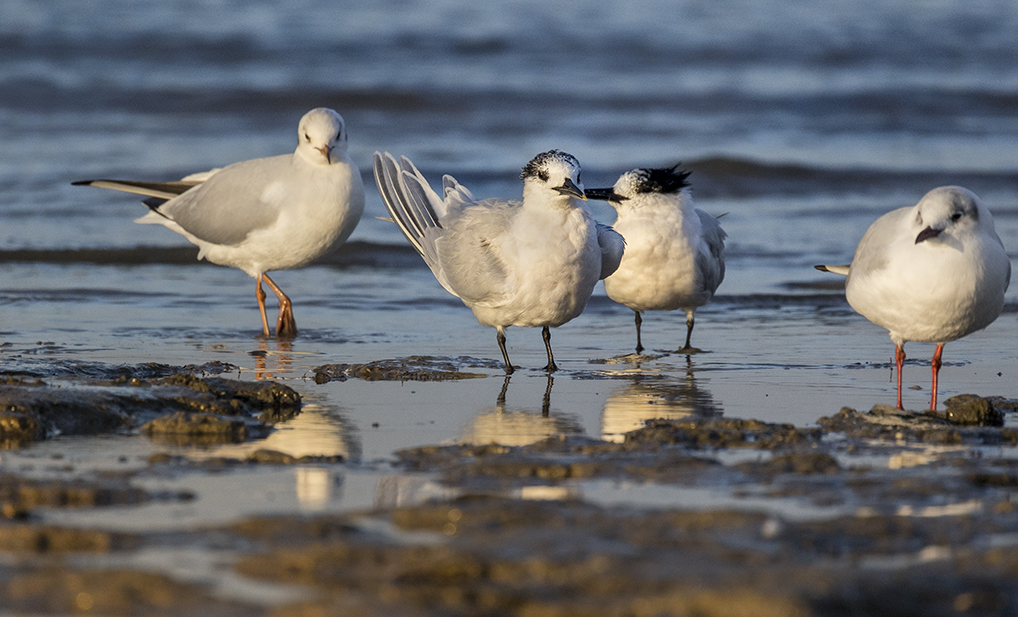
(274, 213)
(930, 273)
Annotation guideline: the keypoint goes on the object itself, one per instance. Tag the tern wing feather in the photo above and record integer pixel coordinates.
(612, 246)
(711, 264)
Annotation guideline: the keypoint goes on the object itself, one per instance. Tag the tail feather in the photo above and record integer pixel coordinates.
(159, 190)
(843, 270)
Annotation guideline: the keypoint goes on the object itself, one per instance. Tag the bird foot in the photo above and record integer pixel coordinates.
(551, 367)
(286, 325)
(689, 350)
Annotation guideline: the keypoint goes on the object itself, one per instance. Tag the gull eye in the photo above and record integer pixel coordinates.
(339, 135)
(307, 137)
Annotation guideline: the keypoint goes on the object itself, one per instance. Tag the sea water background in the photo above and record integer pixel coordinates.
(803, 121)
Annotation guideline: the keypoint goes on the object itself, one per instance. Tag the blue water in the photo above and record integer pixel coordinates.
(802, 121)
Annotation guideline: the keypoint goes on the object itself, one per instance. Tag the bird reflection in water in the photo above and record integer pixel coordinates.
(270, 361)
(520, 426)
(651, 396)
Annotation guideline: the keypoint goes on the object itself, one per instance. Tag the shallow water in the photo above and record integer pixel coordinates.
(801, 123)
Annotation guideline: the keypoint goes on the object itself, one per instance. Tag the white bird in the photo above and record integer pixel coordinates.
(675, 253)
(930, 273)
(273, 213)
(531, 263)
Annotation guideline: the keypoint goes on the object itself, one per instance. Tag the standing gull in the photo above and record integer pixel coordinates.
(675, 253)
(273, 213)
(931, 273)
(531, 263)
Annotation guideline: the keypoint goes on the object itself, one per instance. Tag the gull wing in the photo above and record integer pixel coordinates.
(235, 201)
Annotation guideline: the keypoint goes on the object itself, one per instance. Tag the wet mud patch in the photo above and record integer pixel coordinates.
(63, 590)
(495, 556)
(32, 409)
(258, 457)
(968, 420)
(412, 368)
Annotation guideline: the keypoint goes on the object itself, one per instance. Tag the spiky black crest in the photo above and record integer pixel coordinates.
(538, 166)
(662, 180)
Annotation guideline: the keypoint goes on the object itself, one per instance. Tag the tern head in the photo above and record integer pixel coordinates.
(643, 181)
(556, 171)
(321, 132)
(949, 212)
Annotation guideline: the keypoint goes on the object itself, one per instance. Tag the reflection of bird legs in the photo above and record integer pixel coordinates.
(286, 326)
(546, 403)
(500, 401)
(284, 359)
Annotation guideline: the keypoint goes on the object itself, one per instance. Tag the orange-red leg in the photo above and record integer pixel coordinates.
(260, 294)
(936, 372)
(899, 359)
(286, 326)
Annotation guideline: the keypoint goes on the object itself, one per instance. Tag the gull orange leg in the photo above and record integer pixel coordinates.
(286, 326)
(260, 294)
(936, 372)
(899, 359)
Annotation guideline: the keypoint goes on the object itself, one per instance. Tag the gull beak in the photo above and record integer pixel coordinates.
(926, 234)
(604, 195)
(326, 152)
(569, 188)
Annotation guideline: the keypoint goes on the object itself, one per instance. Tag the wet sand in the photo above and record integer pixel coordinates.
(168, 491)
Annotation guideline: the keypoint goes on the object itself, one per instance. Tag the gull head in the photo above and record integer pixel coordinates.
(948, 212)
(320, 132)
(555, 171)
(643, 181)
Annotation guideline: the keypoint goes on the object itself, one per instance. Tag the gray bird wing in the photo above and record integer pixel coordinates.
(711, 264)
(235, 201)
(459, 239)
(612, 245)
(472, 252)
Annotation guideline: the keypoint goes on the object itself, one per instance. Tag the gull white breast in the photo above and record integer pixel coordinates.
(265, 214)
(930, 273)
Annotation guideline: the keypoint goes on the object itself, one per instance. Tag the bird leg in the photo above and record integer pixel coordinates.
(500, 337)
(546, 335)
(899, 359)
(286, 326)
(639, 322)
(260, 294)
(936, 371)
(687, 348)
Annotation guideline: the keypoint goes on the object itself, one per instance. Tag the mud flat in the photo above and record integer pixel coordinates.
(880, 512)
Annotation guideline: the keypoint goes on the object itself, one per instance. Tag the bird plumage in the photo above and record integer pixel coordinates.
(674, 255)
(932, 273)
(265, 214)
(531, 263)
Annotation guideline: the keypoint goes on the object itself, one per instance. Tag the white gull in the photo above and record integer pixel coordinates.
(265, 214)
(930, 273)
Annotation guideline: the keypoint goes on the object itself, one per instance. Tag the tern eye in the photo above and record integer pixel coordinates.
(956, 216)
